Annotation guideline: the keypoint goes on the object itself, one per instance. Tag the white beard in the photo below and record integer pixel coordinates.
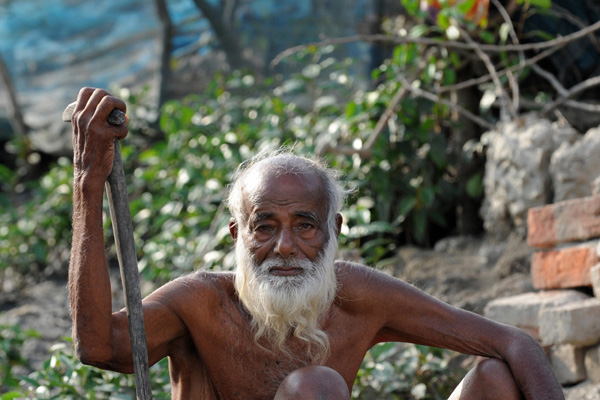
(280, 305)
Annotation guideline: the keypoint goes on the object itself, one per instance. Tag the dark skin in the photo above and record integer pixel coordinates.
(199, 323)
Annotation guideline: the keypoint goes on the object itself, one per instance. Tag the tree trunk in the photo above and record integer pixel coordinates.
(14, 110)
(468, 221)
(166, 48)
(228, 40)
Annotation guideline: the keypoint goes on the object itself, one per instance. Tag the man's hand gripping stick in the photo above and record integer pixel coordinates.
(116, 117)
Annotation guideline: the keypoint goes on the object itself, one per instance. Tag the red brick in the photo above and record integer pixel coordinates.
(565, 221)
(563, 268)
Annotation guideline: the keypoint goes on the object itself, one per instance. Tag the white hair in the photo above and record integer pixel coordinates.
(283, 162)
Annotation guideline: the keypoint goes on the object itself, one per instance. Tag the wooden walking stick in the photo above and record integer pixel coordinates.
(116, 191)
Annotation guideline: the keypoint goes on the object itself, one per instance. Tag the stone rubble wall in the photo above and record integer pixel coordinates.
(564, 313)
(531, 162)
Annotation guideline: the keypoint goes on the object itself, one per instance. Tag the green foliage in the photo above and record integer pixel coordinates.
(12, 338)
(389, 371)
(177, 184)
(401, 371)
(544, 4)
(64, 377)
(37, 232)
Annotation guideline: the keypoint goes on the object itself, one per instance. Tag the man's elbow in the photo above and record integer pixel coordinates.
(524, 344)
(100, 357)
(91, 354)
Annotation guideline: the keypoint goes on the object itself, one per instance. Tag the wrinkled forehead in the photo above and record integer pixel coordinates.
(272, 185)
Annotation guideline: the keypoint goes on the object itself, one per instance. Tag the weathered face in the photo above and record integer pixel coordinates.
(287, 219)
(285, 275)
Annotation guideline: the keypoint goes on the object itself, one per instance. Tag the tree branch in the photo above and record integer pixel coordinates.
(485, 78)
(559, 41)
(435, 98)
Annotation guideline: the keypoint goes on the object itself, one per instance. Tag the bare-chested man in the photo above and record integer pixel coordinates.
(290, 322)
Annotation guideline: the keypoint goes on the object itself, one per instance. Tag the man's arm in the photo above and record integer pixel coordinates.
(409, 315)
(100, 337)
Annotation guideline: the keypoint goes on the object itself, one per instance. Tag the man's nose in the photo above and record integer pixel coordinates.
(285, 246)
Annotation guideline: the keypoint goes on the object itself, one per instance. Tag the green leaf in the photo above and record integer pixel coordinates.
(541, 34)
(449, 76)
(455, 59)
(420, 225)
(427, 196)
(474, 186)
(412, 6)
(443, 21)
(418, 31)
(6, 174)
(325, 101)
(311, 71)
(407, 204)
(465, 6)
(12, 395)
(487, 36)
(351, 109)
(541, 3)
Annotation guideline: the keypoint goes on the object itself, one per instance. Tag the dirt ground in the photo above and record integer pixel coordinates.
(462, 271)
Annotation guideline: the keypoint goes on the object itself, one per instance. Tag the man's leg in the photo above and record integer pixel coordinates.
(313, 383)
(490, 379)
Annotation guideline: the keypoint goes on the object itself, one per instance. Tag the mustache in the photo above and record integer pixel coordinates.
(286, 263)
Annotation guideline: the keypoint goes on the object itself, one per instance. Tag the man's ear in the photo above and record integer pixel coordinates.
(339, 220)
(233, 229)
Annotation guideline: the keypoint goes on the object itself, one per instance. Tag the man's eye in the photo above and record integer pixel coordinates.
(305, 226)
(263, 228)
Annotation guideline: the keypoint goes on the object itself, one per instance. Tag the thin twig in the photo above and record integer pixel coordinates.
(366, 150)
(493, 73)
(513, 34)
(580, 87)
(587, 107)
(550, 78)
(385, 117)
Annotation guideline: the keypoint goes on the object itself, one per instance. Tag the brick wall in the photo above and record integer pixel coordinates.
(562, 314)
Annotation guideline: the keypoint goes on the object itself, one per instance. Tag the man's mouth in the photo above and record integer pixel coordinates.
(285, 271)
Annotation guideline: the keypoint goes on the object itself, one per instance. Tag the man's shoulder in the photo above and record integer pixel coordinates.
(352, 270)
(360, 278)
(212, 276)
(349, 267)
(352, 275)
(205, 284)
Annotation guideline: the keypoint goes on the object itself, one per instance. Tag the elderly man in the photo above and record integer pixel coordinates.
(290, 322)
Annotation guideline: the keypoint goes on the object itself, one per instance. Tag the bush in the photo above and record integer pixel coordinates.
(403, 371)
(64, 377)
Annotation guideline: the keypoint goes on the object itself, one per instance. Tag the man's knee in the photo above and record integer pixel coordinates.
(492, 373)
(313, 383)
(490, 379)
